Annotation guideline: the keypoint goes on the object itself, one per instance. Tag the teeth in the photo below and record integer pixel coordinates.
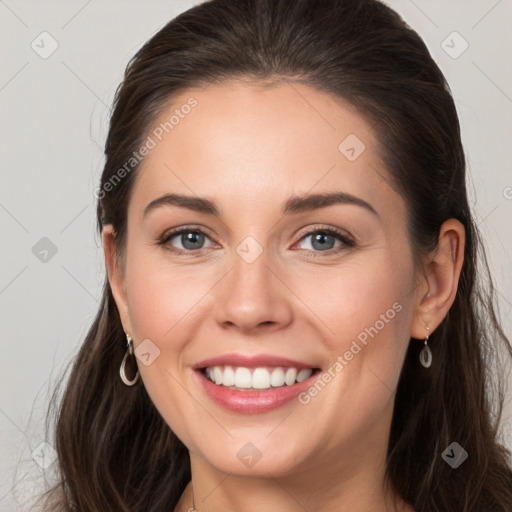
(304, 374)
(260, 378)
(277, 378)
(242, 378)
(218, 375)
(228, 378)
(257, 378)
(290, 376)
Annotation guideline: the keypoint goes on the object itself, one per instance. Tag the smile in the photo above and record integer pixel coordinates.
(255, 379)
(255, 390)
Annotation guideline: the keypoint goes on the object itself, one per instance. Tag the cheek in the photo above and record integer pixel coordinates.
(161, 295)
(356, 296)
(161, 302)
(165, 304)
(365, 310)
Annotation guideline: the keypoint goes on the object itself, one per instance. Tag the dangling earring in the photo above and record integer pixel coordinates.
(426, 353)
(129, 350)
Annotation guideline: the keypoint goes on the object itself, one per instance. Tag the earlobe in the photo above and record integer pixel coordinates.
(115, 275)
(441, 279)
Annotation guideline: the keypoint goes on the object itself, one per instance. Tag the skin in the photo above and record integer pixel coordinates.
(249, 148)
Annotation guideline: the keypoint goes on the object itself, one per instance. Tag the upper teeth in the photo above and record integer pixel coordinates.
(258, 378)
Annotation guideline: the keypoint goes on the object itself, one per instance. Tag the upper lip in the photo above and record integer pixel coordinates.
(255, 361)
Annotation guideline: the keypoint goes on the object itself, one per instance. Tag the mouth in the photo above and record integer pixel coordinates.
(251, 384)
(254, 385)
(241, 378)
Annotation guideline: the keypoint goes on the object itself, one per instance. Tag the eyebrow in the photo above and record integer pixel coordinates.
(294, 205)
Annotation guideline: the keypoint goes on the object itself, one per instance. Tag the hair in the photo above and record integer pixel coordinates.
(115, 451)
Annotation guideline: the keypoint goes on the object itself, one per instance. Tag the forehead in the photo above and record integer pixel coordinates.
(255, 144)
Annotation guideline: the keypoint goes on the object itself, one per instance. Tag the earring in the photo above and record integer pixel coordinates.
(129, 350)
(426, 353)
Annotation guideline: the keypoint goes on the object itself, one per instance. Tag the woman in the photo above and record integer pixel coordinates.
(291, 318)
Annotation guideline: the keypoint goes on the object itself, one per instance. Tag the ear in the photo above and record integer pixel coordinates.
(115, 276)
(438, 287)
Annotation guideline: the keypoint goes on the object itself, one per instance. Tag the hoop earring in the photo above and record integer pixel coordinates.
(426, 353)
(122, 373)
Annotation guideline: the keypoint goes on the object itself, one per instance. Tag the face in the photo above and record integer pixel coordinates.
(264, 279)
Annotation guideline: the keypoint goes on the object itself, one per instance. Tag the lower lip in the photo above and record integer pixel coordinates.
(254, 402)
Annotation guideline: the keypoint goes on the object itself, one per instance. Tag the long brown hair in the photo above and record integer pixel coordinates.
(115, 452)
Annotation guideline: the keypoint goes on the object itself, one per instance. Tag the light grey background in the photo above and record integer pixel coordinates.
(54, 115)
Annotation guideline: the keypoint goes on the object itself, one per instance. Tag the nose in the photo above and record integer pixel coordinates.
(253, 297)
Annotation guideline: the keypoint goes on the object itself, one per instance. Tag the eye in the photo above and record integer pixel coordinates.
(324, 240)
(191, 240)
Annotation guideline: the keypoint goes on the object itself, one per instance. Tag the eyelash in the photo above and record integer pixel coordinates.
(347, 241)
